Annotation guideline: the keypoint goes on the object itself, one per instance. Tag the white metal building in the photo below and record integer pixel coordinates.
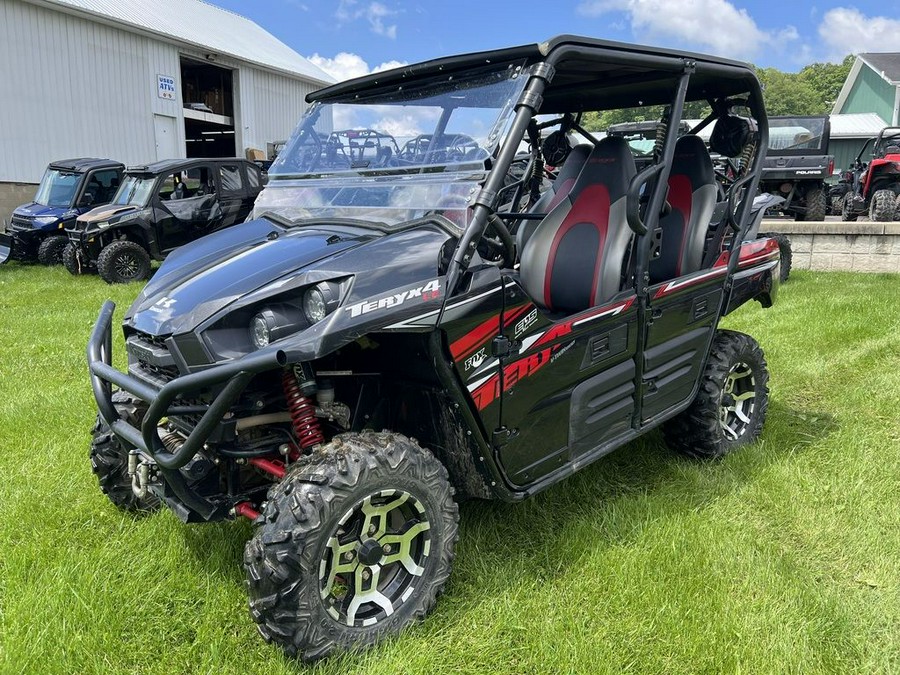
(140, 80)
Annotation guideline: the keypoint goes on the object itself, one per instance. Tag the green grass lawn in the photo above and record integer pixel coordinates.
(783, 558)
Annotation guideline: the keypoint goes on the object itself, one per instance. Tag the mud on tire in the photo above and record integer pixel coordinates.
(109, 460)
(319, 538)
(730, 407)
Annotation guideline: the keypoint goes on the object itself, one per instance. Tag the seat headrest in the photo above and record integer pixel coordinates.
(731, 134)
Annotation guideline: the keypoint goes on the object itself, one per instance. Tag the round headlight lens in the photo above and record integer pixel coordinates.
(259, 331)
(314, 305)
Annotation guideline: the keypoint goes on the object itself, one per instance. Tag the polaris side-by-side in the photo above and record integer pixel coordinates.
(382, 340)
(158, 208)
(68, 188)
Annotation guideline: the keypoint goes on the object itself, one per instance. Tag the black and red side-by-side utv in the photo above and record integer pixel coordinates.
(384, 339)
(873, 187)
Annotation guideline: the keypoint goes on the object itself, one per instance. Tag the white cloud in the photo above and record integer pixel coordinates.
(846, 30)
(708, 25)
(346, 66)
(376, 13)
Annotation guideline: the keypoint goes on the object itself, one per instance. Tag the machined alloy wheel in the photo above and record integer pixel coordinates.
(374, 558)
(353, 544)
(738, 401)
(730, 407)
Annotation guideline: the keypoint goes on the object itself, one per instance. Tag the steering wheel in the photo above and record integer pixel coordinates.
(499, 249)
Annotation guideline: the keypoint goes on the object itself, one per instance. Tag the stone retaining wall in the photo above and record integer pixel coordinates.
(839, 246)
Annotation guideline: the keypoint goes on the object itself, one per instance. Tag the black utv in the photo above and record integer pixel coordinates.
(379, 343)
(158, 208)
(68, 188)
(798, 164)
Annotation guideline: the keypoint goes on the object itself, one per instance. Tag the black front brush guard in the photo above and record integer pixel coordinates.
(235, 375)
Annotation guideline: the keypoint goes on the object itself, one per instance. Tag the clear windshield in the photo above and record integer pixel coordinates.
(797, 133)
(134, 191)
(395, 155)
(58, 188)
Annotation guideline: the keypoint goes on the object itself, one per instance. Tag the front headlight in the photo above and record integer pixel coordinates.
(274, 323)
(320, 300)
(45, 220)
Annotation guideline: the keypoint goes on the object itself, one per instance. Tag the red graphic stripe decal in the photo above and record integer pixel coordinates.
(472, 340)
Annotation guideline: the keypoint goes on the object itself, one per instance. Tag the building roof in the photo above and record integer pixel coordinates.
(198, 24)
(856, 125)
(886, 64)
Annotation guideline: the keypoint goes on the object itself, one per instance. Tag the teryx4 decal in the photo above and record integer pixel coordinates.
(430, 291)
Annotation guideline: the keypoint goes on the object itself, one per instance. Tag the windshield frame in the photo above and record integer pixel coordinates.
(45, 187)
(424, 112)
(135, 180)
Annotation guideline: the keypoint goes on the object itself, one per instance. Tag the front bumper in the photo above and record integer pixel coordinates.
(20, 244)
(232, 377)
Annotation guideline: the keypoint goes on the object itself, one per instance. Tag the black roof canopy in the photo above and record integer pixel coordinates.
(172, 165)
(83, 164)
(590, 74)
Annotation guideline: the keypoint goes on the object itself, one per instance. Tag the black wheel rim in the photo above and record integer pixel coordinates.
(374, 558)
(126, 266)
(738, 402)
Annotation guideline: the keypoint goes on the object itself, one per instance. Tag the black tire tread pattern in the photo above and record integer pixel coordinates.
(71, 262)
(106, 261)
(881, 208)
(281, 560)
(787, 255)
(696, 431)
(109, 460)
(51, 249)
(846, 214)
(816, 204)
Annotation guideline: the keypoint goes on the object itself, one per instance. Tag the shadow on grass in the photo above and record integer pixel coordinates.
(609, 503)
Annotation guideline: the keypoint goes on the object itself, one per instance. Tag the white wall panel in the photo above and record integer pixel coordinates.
(74, 88)
(271, 106)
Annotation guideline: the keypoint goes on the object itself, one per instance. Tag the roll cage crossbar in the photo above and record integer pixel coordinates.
(655, 177)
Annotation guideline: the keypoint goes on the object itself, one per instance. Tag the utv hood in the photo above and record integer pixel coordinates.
(199, 279)
(107, 212)
(34, 210)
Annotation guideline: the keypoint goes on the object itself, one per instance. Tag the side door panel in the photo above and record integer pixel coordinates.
(568, 387)
(683, 315)
(471, 321)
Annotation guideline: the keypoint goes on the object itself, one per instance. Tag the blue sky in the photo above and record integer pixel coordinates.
(351, 37)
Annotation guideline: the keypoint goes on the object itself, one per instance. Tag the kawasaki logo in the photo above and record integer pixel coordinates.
(429, 291)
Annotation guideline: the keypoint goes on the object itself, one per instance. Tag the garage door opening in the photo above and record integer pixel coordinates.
(208, 94)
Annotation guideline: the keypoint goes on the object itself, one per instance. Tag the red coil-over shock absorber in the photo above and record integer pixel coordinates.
(299, 384)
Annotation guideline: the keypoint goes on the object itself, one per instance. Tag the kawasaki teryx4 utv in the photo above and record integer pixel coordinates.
(381, 341)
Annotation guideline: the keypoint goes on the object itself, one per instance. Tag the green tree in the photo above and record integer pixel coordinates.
(787, 93)
(826, 79)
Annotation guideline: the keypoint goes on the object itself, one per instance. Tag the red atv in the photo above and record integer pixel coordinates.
(875, 187)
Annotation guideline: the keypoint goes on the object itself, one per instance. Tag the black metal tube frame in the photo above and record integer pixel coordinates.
(235, 375)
